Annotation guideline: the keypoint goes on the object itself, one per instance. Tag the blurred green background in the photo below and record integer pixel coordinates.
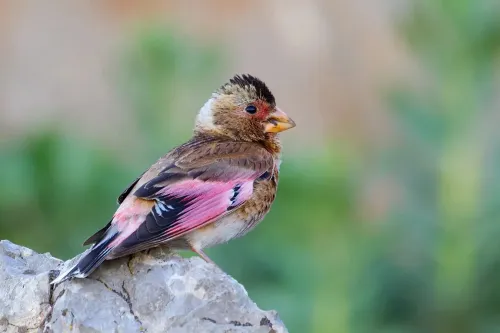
(387, 216)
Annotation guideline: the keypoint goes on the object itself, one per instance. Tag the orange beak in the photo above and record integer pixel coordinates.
(278, 121)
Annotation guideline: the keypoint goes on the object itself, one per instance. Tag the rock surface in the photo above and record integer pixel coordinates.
(155, 292)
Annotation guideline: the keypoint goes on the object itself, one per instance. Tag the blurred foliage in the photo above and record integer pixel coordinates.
(324, 258)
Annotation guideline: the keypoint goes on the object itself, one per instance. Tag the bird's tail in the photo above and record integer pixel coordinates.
(89, 261)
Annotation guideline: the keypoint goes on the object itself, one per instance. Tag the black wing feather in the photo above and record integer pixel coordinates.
(95, 238)
(164, 215)
(127, 191)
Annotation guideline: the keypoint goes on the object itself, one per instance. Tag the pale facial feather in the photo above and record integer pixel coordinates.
(205, 118)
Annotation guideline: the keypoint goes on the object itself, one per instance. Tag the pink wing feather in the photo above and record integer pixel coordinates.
(210, 201)
(175, 210)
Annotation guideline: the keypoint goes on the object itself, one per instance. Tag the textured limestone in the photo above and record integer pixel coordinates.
(155, 292)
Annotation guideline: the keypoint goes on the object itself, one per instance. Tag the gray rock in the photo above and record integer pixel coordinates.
(155, 292)
(24, 288)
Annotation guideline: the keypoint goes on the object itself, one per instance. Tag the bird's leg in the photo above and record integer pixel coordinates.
(129, 265)
(204, 256)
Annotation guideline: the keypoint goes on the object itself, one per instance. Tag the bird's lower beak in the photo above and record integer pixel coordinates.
(278, 121)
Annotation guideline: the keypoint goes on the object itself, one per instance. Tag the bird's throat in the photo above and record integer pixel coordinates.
(272, 144)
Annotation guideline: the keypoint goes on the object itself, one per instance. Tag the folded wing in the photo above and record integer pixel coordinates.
(198, 187)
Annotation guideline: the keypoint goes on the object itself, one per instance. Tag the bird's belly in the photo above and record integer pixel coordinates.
(221, 231)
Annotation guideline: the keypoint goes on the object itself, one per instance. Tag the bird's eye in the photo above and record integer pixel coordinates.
(251, 109)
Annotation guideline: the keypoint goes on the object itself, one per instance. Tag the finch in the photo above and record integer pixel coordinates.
(215, 187)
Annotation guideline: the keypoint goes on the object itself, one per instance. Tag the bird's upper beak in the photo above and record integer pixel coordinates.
(278, 121)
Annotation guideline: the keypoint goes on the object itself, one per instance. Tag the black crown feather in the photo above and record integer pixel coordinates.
(261, 89)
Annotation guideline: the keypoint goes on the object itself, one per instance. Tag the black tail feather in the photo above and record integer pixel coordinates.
(89, 261)
(98, 236)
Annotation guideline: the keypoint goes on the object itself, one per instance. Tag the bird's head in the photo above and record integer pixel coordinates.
(243, 109)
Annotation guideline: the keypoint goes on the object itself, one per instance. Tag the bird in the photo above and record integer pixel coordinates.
(215, 187)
